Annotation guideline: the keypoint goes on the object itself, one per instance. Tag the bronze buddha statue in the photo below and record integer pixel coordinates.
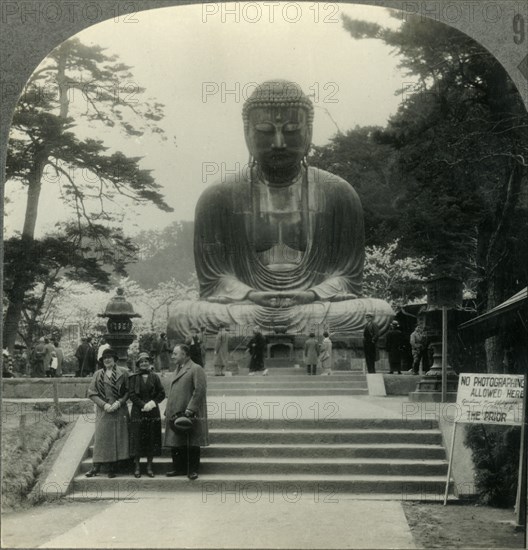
(281, 246)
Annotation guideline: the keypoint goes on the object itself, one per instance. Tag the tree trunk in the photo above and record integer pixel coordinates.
(498, 285)
(22, 284)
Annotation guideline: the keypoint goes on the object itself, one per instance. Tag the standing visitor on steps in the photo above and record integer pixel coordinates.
(311, 353)
(370, 343)
(418, 342)
(195, 347)
(221, 351)
(325, 357)
(256, 348)
(394, 345)
(187, 397)
(109, 391)
(146, 393)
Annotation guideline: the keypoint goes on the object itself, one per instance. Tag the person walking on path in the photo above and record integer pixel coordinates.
(325, 357)
(311, 354)
(221, 351)
(394, 345)
(418, 342)
(186, 397)
(146, 393)
(370, 343)
(256, 348)
(109, 389)
(37, 359)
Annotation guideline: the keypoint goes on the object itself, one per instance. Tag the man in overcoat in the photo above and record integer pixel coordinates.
(186, 397)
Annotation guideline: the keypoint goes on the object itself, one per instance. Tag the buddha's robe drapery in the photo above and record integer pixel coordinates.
(226, 246)
(237, 249)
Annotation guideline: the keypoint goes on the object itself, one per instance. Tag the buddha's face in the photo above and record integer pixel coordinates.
(278, 138)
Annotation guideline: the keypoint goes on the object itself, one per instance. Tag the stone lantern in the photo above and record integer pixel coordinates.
(119, 313)
(443, 294)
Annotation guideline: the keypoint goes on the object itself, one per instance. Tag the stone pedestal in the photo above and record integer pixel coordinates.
(429, 388)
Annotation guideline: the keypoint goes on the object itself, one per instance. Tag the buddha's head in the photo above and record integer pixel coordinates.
(278, 120)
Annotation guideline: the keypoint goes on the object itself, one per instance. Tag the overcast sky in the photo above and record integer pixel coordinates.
(189, 58)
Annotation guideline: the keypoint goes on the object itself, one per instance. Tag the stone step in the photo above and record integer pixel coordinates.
(216, 392)
(246, 487)
(248, 436)
(396, 451)
(321, 381)
(312, 466)
(323, 419)
(324, 437)
(265, 381)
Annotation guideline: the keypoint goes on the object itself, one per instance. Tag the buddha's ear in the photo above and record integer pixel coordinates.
(248, 143)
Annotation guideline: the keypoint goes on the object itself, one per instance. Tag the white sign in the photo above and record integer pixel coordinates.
(490, 398)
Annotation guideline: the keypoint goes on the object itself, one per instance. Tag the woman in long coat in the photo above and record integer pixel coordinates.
(109, 391)
(146, 393)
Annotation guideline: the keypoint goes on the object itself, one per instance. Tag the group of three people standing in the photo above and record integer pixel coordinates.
(120, 435)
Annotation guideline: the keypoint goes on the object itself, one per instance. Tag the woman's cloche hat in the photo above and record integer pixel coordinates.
(141, 356)
(109, 352)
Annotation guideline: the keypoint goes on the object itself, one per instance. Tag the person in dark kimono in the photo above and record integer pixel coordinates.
(394, 345)
(256, 348)
(146, 393)
(370, 343)
(109, 391)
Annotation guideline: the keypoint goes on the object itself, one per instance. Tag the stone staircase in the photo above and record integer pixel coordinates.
(325, 457)
(288, 382)
(382, 458)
